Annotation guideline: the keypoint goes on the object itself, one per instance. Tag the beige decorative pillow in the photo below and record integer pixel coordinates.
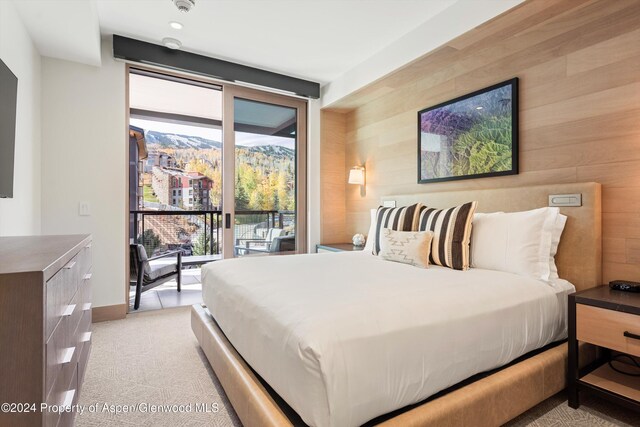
(407, 247)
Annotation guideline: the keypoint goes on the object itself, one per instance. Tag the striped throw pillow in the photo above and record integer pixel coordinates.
(451, 234)
(400, 219)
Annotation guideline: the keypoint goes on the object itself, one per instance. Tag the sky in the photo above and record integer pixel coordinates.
(243, 139)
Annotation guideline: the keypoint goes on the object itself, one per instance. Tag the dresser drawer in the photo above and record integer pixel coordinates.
(62, 352)
(66, 419)
(75, 311)
(84, 261)
(85, 324)
(84, 346)
(64, 390)
(54, 350)
(84, 358)
(606, 328)
(60, 289)
(86, 291)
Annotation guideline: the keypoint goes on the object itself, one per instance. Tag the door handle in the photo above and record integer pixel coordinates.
(227, 220)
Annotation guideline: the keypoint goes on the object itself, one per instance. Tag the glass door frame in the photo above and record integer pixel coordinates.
(229, 91)
(229, 94)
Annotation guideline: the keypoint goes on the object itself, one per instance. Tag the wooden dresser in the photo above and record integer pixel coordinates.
(45, 326)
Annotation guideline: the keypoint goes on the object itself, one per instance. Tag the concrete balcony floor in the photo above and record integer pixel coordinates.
(167, 295)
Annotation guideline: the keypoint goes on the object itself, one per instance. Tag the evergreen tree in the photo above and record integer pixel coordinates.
(202, 244)
(242, 199)
(150, 241)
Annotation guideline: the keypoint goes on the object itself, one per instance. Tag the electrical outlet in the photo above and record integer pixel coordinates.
(84, 209)
(389, 204)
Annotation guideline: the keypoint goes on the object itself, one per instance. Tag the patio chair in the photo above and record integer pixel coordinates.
(147, 273)
(259, 245)
(283, 244)
(286, 243)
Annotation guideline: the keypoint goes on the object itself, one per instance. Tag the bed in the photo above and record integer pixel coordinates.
(345, 338)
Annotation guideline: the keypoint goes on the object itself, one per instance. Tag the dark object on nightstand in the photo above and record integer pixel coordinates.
(338, 247)
(625, 285)
(608, 319)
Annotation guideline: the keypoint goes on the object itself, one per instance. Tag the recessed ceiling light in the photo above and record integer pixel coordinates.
(175, 25)
(171, 43)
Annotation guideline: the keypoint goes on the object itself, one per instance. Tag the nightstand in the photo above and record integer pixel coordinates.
(610, 320)
(338, 247)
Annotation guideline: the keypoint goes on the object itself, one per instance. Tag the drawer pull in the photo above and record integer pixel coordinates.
(86, 307)
(67, 401)
(88, 246)
(631, 335)
(70, 265)
(68, 355)
(86, 337)
(69, 310)
(87, 276)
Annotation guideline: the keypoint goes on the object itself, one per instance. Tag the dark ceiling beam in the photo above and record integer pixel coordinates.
(153, 54)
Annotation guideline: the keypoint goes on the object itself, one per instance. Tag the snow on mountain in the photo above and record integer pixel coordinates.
(272, 150)
(169, 140)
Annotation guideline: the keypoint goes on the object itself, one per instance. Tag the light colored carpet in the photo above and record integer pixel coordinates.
(593, 411)
(153, 358)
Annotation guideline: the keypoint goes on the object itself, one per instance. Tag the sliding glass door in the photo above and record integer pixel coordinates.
(175, 167)
(216, 170)
(265, 202)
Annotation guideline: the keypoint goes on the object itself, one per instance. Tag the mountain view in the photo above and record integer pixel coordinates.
(169, 140)
(265, 171)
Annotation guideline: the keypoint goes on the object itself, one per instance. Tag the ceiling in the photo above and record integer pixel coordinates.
(65, 29)
(318, 40)
(312, 39)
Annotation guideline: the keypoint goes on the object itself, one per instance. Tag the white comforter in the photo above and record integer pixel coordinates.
(346, 337)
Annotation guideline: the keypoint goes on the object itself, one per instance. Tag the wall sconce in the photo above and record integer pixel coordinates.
(357, 176)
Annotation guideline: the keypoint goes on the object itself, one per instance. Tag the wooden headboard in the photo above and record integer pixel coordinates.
(579, 257)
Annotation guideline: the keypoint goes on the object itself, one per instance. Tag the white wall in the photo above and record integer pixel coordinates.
(313, 175)
(84, 153)
(21, 214)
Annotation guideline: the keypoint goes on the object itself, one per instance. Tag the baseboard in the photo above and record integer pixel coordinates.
(109, 312)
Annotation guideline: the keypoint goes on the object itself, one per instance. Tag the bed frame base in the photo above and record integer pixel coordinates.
(490, 401)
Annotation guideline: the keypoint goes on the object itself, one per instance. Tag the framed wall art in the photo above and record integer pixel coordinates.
(473, 136)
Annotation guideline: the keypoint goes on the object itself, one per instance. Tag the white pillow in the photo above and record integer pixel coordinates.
(372, 231)
(515, 242)
(558, 228)
(406, 247)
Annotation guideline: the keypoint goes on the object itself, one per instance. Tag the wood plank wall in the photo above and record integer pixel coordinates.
(333, 127)
(579, 67)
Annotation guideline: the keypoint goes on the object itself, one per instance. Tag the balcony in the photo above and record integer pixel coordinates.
(200, 232)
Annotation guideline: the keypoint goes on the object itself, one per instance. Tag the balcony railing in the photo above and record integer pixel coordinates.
(200, 232)
(192, 232)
